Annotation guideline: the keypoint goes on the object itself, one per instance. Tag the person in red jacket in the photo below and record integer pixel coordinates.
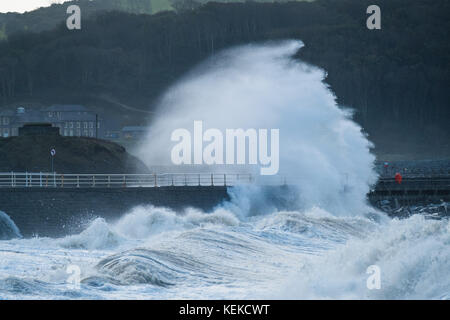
(398, 178)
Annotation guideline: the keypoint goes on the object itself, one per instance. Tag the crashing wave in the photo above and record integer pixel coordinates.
(142, 266)
(8, 229)
(98, 235)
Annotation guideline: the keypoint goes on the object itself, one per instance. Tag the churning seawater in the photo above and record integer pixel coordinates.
(155, 253)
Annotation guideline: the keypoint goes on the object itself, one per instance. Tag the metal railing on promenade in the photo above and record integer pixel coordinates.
(415, 183)
(57, 180)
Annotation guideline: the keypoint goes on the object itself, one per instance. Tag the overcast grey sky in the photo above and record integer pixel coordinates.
(25, 5)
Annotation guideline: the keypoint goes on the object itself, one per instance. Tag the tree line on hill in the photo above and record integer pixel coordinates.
(396, 78)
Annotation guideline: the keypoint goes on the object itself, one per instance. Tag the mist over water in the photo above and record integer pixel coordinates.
(322, 151)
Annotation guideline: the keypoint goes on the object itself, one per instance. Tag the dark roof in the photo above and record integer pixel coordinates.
(38, 124)
(74, 117)
(66, 108)
(29, 116)
(70, 113)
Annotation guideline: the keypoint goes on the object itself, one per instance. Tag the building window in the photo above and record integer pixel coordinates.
(50, 114)
(78, 132)
(78, 124)
(66, 132)
(5, 120)
(85, 125)
(91, 125)
(91, 133)
(98, 125)
(71, 125)
(86, 133)
(6, 132)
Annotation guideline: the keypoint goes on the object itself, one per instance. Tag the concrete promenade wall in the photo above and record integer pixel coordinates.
(58, 212)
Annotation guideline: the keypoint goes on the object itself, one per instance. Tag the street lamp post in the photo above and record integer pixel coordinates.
(52, 153)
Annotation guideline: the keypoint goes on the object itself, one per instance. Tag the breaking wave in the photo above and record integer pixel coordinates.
(141, 223)
(413, 256)
(8, 229)
(323, 152)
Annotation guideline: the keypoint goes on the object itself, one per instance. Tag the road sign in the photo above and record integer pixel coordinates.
(53, 152)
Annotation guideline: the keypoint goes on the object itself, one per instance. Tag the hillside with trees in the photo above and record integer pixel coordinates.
(396, 78)
(47, 18)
